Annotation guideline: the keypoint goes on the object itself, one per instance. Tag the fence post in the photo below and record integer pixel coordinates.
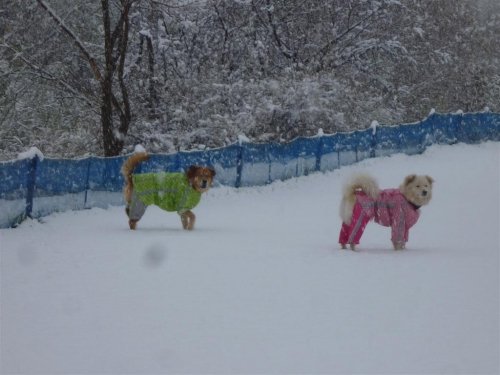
(373, 144)
(177, 165)
(30, 186)
(269, 164)
(87, 187)
(239, 165)
(319, 154)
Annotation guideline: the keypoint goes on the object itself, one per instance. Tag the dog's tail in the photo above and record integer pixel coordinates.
(360, 182)
(128, 169)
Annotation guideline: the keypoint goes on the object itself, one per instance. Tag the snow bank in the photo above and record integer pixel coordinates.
(260, 285)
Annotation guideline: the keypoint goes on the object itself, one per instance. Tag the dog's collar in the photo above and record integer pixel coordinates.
(413, 205)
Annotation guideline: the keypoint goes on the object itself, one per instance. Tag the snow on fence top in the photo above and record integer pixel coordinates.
(33, 186)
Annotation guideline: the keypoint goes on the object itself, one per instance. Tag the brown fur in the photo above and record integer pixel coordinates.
(188, 219)
(200, 179)
(128, 170)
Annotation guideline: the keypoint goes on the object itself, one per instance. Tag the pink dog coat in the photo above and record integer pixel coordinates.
(390, 209)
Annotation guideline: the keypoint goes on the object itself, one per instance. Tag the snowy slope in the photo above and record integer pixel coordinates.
(260, 286)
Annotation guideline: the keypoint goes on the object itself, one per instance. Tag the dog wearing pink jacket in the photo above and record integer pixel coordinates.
(396, 208)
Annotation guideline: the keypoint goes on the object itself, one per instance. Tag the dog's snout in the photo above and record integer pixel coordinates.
(204, 184)
(424, 193)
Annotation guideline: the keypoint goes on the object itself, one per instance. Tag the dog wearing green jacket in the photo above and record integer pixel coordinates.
(173, 192)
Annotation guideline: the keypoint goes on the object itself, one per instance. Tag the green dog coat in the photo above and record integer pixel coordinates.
(169, 191)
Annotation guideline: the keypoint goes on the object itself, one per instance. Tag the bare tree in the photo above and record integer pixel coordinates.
(184, 74)
(115, 50)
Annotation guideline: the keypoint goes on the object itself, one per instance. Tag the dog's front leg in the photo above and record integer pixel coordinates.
(184, 220)
(188, 218)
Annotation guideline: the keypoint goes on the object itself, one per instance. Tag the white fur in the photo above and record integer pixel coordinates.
(363, 182)
(417, 189)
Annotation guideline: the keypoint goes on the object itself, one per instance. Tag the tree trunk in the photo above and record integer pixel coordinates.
(113, 140)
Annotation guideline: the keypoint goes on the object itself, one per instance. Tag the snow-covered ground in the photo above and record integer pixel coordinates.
(260, 286)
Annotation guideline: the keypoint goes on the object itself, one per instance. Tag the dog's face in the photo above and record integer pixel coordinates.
(417, 189)
(200, 178)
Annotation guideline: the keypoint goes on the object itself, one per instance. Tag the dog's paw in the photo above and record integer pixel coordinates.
(132, 224)
(188, 219)
(352, 246)
(399, 245)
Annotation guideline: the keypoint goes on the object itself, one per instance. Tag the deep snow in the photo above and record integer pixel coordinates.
(260, 286)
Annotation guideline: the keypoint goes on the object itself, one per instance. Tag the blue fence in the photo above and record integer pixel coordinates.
(36, 187)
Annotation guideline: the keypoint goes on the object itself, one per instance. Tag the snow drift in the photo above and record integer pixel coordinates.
(260, 285)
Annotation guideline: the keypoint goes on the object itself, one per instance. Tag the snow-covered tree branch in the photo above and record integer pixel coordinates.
(176, 74)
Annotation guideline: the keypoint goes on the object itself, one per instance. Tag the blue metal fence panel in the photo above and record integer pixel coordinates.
(104, 174)
(159, 163)
(35, 188)
(445, 128)
(281, 165)
(388, 140)
(14, 182)
(61, 176)
(225, 163)
(330, 155)
(305, 151)
(13, 179)
(192, 158)
(255, 164)
(355, 146)
(297, 158)
(478, 127)
(282, 162)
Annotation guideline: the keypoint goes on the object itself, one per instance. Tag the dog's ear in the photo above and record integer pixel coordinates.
(212, 171)
(409, 179)
(191, 172)
(430, 179)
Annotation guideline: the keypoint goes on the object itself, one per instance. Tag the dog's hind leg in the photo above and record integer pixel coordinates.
(352, 246)
(351, 233)
(345, 237)
(131, 223)
(134, 210)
